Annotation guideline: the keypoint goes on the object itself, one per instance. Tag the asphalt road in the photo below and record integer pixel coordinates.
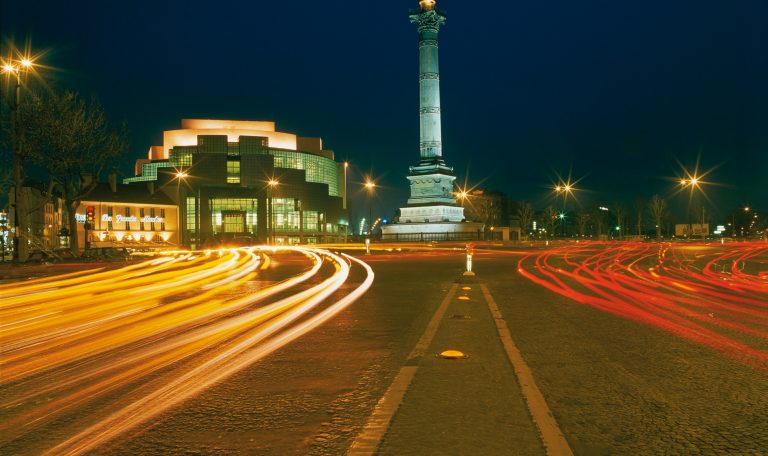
(615, 383)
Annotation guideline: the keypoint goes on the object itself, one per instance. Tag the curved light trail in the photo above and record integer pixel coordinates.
(131, 343)
(712, 295)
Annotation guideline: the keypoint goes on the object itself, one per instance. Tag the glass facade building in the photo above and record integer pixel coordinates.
(219, 173)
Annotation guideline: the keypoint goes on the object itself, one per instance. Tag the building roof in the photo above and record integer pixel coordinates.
(137, 194)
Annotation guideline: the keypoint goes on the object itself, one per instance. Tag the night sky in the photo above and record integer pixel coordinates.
(610, 91)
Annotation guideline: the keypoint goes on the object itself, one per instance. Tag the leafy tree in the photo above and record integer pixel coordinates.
(73, 142)
(658, 207)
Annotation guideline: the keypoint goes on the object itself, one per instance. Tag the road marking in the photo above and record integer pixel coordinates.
(551, 436)
(369, 439)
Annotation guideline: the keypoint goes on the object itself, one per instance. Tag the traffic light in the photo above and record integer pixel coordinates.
(89, 214)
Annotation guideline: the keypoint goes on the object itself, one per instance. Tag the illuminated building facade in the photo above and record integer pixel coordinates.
(245, 182)
(132, 216)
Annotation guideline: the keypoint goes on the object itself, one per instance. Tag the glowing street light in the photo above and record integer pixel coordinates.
(271, 184)
(370, 186)
(182, 175)
(462, 196)
(565, 188)
(17, 68)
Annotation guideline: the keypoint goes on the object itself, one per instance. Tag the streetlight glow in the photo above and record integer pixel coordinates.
(8, 68)
(273, 182)
(181, 175)
(26, 63)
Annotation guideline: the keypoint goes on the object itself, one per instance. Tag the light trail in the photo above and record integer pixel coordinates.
(130, 344)
(696, 291)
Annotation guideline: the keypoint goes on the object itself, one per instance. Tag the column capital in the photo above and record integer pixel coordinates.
(428, 21)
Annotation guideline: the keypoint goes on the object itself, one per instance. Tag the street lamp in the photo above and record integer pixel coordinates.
(15, 68)
(271, 184)
(566, 189)
(181, 219)
(694, 181)
(346, 168)
(370, 186)
(462, 195)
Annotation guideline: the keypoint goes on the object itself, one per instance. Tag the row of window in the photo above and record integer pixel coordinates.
(239, 215)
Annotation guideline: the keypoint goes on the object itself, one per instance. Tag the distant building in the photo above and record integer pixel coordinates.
(124, 216)
(128, 216)
(246, 182)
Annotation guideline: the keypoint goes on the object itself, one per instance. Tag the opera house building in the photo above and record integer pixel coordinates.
(245, 182)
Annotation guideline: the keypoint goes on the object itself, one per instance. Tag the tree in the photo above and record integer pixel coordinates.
(621, 215)
(73, 142)
(485, 207)
(598, 215)
(658, 207)
(548, 220)
(525, 212)
(639, 212)
(582, 219)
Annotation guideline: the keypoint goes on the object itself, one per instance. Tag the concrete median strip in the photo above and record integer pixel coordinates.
(551, 436)
(368, 441)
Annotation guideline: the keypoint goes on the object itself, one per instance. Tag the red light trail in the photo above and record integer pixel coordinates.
(716, 296)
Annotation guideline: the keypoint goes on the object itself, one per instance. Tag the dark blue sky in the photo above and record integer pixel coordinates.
(616, 92)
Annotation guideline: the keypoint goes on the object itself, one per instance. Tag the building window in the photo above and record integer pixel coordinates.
(127, 219)
(247, 206)
(234, 222)
(191, 208)
(285, 215)
(233, 170)
(110, 214)
(311, 221)
(141, 219)
(162, 216)
(152, 215)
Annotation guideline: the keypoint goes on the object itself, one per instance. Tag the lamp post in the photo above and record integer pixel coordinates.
(271, 184)
(564, 188)
(13, 69)
(181, 176)
(694, 182)
(346, 232)
(370, 186)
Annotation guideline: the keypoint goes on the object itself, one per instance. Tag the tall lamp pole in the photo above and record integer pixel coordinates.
(270, 211)
(182, 229)
(13, 69)
(370, 186)
(346, 232)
